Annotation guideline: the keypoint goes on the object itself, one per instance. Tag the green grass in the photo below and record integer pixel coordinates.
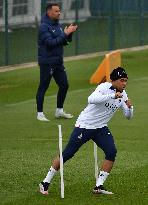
(28, 146)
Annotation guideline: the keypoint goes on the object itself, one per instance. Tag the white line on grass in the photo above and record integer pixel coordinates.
(40, 139)
(49, 97)
(138, 79)
(70, 92)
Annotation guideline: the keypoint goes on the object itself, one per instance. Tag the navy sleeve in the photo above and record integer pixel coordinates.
(68, 40)
(69, 37)
(47, 38)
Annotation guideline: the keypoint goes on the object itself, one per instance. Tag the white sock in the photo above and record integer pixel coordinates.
(102, 177)
(40, 113)
(59, 109)
(50, 175)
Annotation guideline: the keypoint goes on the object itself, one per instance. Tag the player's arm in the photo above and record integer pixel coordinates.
(127, 108)
(99, 96)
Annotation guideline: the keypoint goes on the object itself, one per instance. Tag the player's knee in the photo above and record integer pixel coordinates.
(69, 153)
(66, 157)
(111, 154)
(64, 87)
(43, 87)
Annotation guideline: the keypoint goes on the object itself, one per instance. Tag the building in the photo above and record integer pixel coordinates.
(28, 12)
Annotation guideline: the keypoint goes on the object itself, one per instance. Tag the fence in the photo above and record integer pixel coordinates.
(103, 25)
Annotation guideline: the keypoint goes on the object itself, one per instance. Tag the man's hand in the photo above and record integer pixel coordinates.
(118, 95)
(70, 29)
(128, 103)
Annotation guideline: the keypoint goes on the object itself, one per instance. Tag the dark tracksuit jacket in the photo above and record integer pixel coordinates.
(51, 39)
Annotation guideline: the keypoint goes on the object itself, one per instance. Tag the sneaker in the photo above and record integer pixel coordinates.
(43, 188)
(42, 117)
(62, 114)
(101, 190)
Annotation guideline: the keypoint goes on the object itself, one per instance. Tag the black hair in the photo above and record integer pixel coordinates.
(118, 73)
(50, 5)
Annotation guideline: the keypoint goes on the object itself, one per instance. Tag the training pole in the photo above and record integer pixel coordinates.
(96, 161)
(61, 161)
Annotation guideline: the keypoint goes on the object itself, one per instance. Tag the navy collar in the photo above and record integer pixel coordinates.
(112, 88)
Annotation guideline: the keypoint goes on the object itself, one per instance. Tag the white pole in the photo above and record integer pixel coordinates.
(96, 161)
(61, 161)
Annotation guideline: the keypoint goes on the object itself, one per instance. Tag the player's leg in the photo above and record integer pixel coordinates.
(61, 80)
(78, 137)
(45, 77)
(105, 141)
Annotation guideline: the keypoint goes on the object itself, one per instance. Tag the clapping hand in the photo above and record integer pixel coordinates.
(70, 29)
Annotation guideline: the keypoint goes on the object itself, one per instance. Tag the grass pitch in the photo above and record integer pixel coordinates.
(28, 146)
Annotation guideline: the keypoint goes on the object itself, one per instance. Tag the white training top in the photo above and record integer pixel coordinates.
(101, 107)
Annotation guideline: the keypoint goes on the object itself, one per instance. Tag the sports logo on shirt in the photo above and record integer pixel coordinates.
(111, 107)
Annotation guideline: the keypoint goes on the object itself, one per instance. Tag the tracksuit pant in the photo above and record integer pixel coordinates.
(60, 77)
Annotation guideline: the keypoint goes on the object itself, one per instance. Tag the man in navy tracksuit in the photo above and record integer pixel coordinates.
(51, 39)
